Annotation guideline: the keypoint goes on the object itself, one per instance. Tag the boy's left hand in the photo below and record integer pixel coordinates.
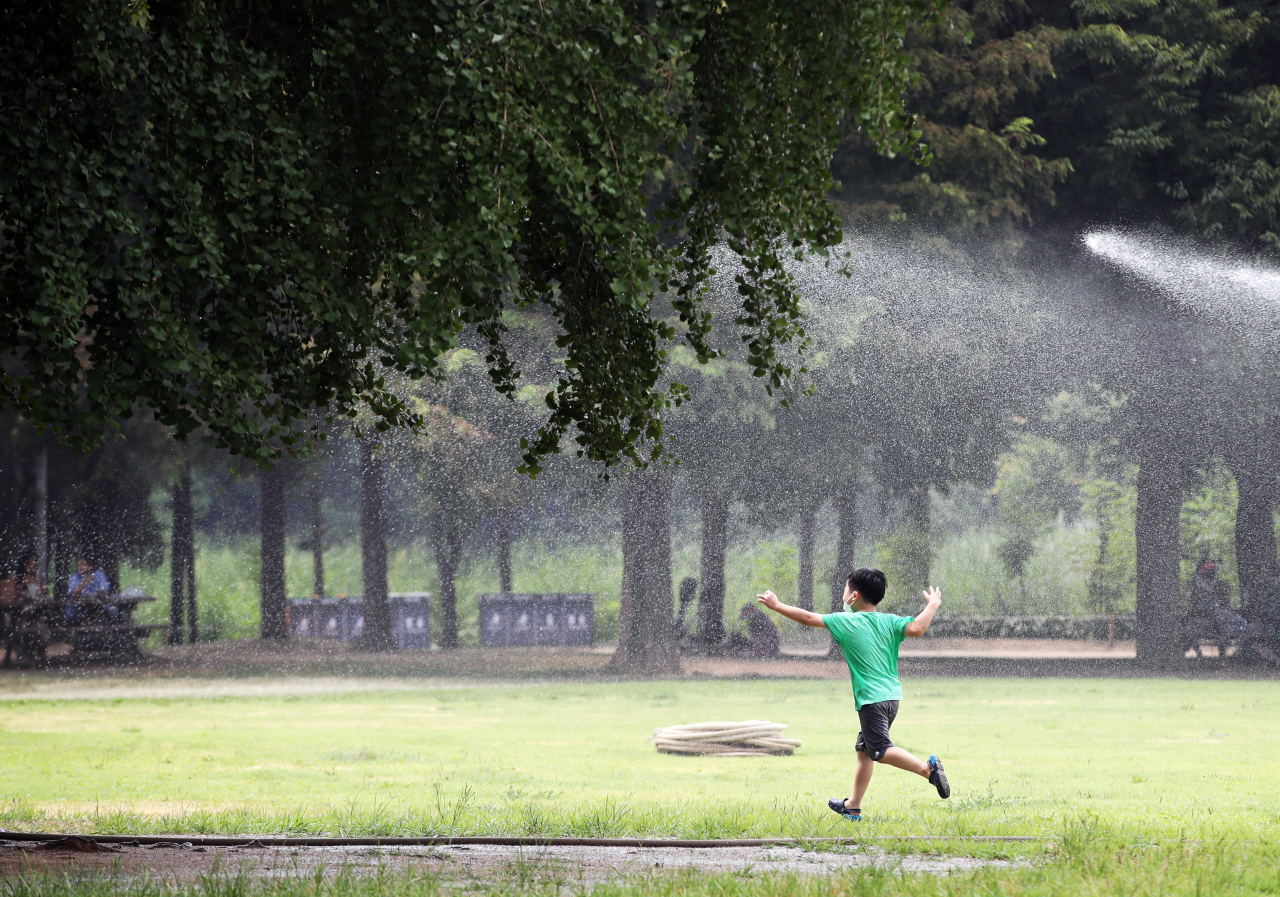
(768, 599)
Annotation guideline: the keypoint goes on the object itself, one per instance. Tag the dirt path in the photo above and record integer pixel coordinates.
(254, 667)
(587, 865)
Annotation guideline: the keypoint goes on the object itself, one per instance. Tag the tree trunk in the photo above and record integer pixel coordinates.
(317, 537)
(804, 551)
(188, 537)
(920, 515)
(377, 635)
(646, 638)
(1255, 529)
(63, 549)
(182, 579)
(1156, 531)
(177, 569)
(447, 541)
(715, 540)
(42, 513)
(504, 551)
(272, 573)
(846, 501)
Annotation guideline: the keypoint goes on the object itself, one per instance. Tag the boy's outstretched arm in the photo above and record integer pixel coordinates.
(920, 625)
(799, 614)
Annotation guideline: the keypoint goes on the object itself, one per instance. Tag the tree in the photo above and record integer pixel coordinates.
(646, 637)
(196, 198)
(1167, 111)
(982, 67)
(1036, 481)
(182, 560)
(377, 634)
(273, 601)
(465, 459)
(941, 370)
(727, 415)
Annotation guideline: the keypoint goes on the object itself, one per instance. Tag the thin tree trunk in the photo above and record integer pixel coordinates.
(107, 539)
(188, 538)
(920, 514)
(177, 568)
(646, 638)
(1255, 529)
(447, 541)
(182, 574)
(715, 540)
(504, 551)
(42, 514)
(272, 573)
(377, 635)
(846, 508)
(808, 523)
(62, 550)
(317, 537)
(1156, 531)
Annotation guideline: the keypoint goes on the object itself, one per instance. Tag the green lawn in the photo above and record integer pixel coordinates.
(1156, 758)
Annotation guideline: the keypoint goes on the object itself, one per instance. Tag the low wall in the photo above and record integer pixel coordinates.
(1095, 628)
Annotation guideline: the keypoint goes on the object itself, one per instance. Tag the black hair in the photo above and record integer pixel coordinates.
(688, 589)
(870, 583)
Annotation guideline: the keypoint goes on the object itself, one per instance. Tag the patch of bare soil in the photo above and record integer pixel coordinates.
(303, 666)
(587, 865)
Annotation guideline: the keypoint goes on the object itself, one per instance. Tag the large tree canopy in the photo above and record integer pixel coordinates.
(235, 213)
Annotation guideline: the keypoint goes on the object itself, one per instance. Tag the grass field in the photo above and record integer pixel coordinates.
(1152, 758)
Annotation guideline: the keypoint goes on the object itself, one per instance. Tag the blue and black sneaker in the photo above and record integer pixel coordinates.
(837, 806)
(938, 778)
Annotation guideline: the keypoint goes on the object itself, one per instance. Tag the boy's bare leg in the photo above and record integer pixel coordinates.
(861, 779)
(896, 756)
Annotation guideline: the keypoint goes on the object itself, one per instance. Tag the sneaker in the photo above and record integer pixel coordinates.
(837, 806)
(938, 778)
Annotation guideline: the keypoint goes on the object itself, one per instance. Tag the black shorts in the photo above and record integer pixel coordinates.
(876, 720)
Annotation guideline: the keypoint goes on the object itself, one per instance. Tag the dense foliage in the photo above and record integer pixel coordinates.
(233, 213)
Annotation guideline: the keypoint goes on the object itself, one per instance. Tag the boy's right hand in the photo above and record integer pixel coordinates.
(933, 595)
(768, 599)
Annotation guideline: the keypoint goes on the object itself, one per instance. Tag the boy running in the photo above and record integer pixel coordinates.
(870, 643)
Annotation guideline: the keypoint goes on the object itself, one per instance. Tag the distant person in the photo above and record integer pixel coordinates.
(88, 583)
(9, 588)
(31, 586)
(869, 641)
(1209, 614)
(762, 635)
(688, 592)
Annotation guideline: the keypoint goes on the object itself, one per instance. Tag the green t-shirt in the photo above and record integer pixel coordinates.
(870, 643)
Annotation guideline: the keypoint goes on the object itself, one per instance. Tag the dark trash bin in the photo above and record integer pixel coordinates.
(411, 619)
(343, 618)
(510, 619)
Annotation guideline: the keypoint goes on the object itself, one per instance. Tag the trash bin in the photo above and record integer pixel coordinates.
(509, 619)
(343, 618)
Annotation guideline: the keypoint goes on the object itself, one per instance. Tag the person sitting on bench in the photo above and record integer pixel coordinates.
(88, 582)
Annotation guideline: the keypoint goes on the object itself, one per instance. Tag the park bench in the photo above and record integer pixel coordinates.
(30, 627)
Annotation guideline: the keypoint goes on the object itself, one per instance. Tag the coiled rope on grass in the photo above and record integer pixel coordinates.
(753, 737)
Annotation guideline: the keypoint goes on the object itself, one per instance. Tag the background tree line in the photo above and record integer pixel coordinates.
(974, 348)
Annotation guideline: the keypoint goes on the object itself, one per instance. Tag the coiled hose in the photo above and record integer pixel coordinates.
(751, 738)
